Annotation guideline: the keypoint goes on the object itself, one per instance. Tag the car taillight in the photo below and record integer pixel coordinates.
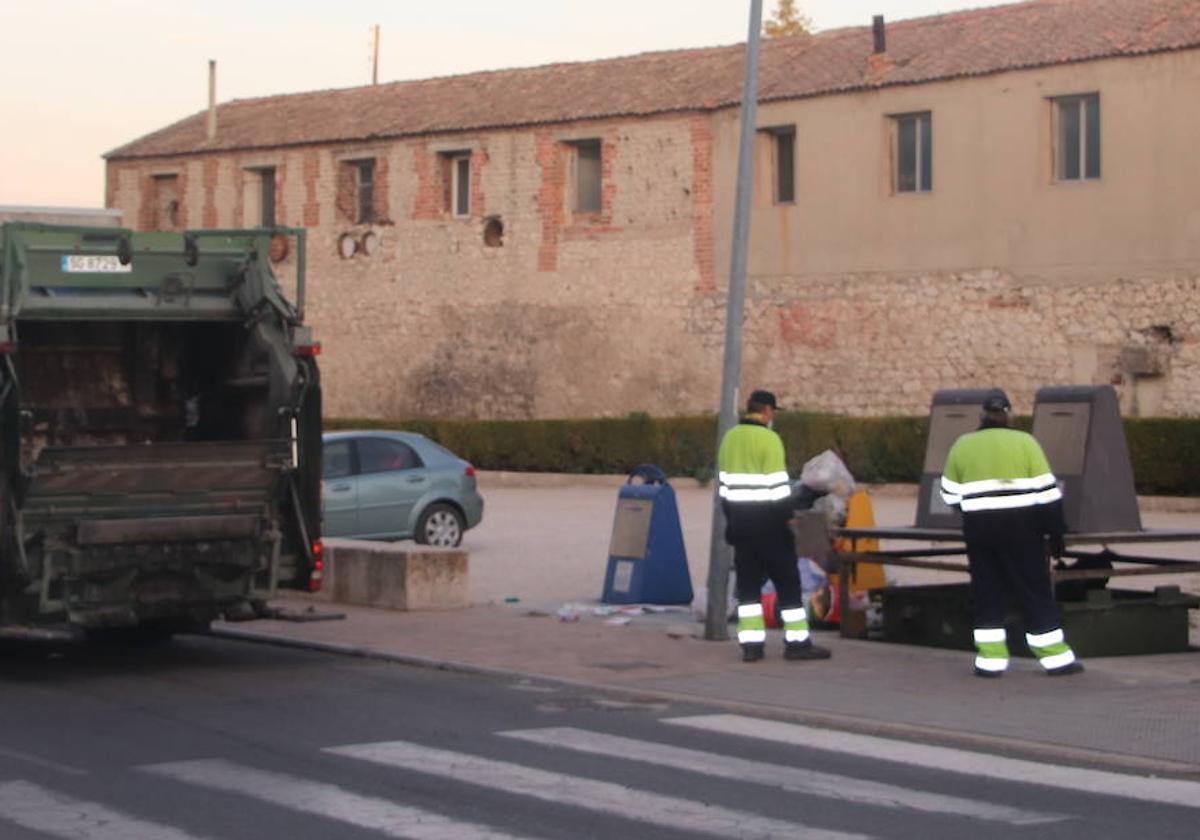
(313, 349)
(469, 472)
(318, 569)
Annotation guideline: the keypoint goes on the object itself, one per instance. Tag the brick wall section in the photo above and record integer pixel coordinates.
(702, 204)
(239, 198)
(312, 202)
(550, 200)
(209, 219)
(147, 202)
(429, 202)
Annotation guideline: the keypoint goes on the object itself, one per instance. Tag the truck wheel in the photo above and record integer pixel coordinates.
(440, 525)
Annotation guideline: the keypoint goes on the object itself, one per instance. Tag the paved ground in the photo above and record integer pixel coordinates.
(546, 546)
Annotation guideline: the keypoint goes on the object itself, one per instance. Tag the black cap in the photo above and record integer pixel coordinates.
(996, 400)
(762, 398)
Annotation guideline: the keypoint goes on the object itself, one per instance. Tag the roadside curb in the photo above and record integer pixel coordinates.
(1010, 747)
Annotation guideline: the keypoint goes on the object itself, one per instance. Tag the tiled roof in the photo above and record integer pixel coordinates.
(976, 42)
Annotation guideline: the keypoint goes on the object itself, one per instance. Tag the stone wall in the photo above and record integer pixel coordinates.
(873, 345)
(860, 301)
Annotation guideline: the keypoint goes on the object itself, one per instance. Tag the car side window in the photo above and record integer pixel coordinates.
(335, 460)
(382, 455)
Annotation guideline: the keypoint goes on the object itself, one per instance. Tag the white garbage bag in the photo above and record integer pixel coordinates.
(826, 473)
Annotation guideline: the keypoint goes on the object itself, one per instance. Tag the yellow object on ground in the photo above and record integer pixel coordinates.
(860, 514)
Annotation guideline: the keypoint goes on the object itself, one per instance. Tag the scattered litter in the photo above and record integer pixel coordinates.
(512, 599)
(618, 620)
(659, 608)
(680, 631)
(536, 613)
(568, 612)
(604, 611)
(632, 609)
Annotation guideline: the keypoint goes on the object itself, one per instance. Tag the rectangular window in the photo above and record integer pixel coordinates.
(460, 185)
(266, 201)
(914, 152)
(364, 191)
(1078, 137)
(588, 173)
(785, 165)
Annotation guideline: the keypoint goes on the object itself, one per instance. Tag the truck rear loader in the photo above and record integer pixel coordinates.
(160, 429)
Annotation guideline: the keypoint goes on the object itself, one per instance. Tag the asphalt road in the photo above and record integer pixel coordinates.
(214, 738)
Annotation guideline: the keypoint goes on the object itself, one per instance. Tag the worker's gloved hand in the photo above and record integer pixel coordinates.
(1056, 546)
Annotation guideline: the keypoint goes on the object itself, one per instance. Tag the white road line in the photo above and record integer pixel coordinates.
(1102, 782)
(40, 809)
(791, 779)
(615, 800)
(325, 800)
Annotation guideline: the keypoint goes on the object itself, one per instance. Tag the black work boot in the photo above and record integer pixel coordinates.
(1067, 670)
(988, 675)
(804, 650)
(752, 652)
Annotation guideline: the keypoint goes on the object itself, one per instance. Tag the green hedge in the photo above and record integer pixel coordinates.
(1165, 452)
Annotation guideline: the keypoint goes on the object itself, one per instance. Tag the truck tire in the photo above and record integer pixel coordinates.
(440, 525)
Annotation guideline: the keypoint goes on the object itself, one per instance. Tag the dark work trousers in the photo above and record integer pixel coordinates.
(768, 554)
(1010, 574)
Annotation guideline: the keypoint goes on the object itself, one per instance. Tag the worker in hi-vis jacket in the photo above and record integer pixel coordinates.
(1012, 518)
(756, 499)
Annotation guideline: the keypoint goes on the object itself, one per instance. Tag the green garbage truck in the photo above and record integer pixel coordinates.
(160, 429)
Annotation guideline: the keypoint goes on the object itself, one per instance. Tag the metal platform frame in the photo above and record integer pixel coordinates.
(917, 558)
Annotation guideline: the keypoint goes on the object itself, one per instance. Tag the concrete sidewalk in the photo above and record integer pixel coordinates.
(1135, 714)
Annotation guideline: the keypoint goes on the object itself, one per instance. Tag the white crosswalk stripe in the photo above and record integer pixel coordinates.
(1105, 783)
(40, 809)
(612, 799)
(325, 800)
(792, 779)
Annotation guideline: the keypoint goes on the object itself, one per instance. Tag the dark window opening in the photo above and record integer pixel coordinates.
(1078, 153)
(914, 153)
(588, 174)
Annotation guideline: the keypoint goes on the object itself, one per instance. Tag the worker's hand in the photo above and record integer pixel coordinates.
(1056, 546)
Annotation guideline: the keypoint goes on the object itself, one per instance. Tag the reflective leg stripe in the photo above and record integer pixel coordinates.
(988, 663)
(752, 628)
(1057, 660)
(1050, 648)
(795, 624)
(1041, 640)
(993, 649)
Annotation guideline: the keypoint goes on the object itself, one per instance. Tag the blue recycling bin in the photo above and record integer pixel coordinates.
(647, 561)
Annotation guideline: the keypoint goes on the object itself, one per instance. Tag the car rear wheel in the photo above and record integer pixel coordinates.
(440, 525)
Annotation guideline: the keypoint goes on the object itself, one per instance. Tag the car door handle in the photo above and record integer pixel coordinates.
(416, 479)
(339, 487)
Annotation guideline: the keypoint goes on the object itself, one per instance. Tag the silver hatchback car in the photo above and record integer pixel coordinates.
(397, 485)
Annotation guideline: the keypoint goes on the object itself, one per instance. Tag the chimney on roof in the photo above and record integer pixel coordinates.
(880, 35)
(211, 125)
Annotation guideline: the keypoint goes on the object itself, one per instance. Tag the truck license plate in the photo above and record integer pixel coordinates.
(93, 264)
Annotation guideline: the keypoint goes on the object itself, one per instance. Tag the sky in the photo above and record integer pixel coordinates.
(82, 77)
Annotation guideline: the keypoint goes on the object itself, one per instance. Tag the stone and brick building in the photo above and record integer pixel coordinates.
(1005, 196)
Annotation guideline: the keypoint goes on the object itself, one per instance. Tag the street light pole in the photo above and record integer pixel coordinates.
(716, 624)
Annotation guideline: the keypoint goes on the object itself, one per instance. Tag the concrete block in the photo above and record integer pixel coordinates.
(396, 576)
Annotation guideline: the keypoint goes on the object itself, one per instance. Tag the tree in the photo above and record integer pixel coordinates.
(787, 20)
